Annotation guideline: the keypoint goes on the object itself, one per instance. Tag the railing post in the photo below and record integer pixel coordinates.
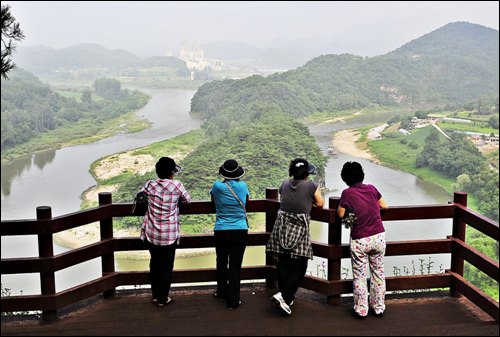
(334, 238)
(106, 227)
(459, 231)
(46, 249)
(271, 193)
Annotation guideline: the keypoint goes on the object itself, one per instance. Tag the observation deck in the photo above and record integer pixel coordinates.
(322, 306)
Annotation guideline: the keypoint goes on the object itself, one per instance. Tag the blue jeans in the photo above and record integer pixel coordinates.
(230, 247)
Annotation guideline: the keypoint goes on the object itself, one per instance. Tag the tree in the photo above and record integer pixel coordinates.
(107, 88)
(87, 96)
(421, 114)
(10, 32)
(493, 121)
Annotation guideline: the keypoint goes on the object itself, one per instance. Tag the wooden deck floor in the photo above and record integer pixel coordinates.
(197, 313)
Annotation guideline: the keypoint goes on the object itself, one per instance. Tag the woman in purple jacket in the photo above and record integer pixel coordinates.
(367, 242)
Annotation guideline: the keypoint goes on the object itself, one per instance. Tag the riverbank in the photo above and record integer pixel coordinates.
(118, 167)
(346, 141)
(135, 161)
(128, 161)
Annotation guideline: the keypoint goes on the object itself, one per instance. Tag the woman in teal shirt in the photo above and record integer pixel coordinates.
(230, 231)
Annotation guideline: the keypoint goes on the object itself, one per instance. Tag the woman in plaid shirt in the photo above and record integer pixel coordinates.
(160, 228)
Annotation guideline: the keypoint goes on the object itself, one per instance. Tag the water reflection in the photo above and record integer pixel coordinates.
(12, 170)
(41, 159)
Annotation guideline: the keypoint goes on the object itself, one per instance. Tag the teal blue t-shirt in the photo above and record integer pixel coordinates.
(230, 214)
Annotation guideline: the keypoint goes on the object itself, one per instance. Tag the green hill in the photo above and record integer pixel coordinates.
(44, 60)
(452, 65)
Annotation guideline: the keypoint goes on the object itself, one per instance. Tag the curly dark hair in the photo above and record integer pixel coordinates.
(352, 173)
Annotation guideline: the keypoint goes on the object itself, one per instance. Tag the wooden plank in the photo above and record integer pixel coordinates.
(196, 313)
(479, 222)
(476, 295)
(479, 260)
(419, 212)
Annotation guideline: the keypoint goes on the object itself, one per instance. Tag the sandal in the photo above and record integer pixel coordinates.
(161, 305)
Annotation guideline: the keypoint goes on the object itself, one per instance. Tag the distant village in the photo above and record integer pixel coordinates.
(479, 139)
(194, 56)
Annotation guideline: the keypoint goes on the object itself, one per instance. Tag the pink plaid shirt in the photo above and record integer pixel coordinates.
(161, 222)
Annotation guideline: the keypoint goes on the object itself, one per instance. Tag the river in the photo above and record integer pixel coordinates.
(57, 178)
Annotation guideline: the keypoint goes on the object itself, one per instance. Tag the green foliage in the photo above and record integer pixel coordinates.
(484, 186)
(493, 121)
(421, 114)
(490, 248)
(107, 87)
(453, 157)
(264, 148)
(11, 32)
(431, 70)
(475, 126)
(91, 60)
(32, 111)
(441, 157)
(166, 64)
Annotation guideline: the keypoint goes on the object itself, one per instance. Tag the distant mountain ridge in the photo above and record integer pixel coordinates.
(41, 60)
(452, 65)
(466, 39)
(293, 54)
(281, 54)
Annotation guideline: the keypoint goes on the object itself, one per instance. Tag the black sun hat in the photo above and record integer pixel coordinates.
(231, 170)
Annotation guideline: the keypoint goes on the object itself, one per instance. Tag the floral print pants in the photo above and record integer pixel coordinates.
(368, 251)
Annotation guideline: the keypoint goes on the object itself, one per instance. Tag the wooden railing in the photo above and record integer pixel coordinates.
(49, 301)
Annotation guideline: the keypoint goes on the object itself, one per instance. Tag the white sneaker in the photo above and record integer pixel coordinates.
(280, 302)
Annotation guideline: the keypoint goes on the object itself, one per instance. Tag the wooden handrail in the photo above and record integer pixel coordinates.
(333, 250)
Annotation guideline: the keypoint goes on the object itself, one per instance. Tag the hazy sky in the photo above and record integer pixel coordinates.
(155, 27)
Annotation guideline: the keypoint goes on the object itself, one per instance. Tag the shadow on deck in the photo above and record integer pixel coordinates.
(195, 312)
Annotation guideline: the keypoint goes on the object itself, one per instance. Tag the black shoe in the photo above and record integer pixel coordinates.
(170, 300)
(218, 297)
(380, 314)
(239, 303)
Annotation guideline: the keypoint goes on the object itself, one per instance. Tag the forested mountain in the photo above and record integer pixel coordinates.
(92, 61)
(44, 60)
(451, 65)
(31, 110)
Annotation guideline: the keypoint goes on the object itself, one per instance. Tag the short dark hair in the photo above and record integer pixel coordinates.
(298, 169)
(165, 167)
(352, 173)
